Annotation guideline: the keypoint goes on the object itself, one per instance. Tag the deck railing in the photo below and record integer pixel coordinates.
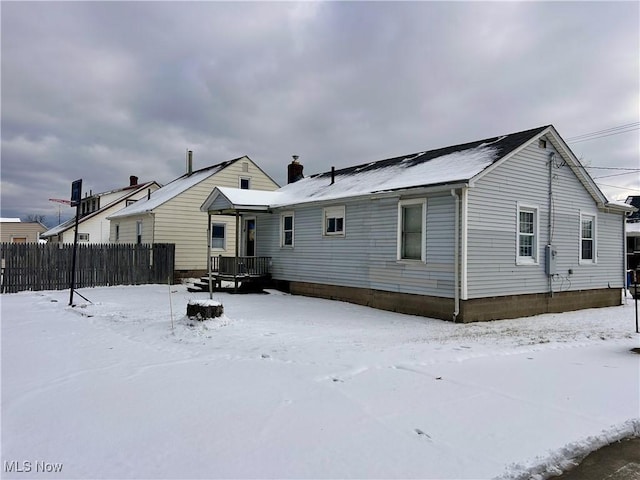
(241, 266)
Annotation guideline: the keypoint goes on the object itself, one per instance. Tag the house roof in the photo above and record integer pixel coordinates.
(64, 226)
(172, 189)
(440, 167)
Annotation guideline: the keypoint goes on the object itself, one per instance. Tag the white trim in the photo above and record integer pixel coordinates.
(293, 229)
(423, 247)
(594, 217)
(535, 257)
(337, 211)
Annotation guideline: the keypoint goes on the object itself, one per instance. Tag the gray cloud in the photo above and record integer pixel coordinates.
(104, 90)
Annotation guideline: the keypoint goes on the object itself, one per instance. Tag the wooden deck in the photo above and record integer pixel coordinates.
(239, 270)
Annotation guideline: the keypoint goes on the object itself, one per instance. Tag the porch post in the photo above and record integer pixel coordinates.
(235, 264)
(209, 255)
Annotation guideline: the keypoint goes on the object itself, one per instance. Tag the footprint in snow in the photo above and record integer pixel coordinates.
(421, 433)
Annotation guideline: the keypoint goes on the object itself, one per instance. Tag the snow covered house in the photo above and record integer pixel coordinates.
(172, 214)
(93, 224)
(497, 228)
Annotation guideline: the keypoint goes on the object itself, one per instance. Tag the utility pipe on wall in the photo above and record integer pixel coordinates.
(456, 258)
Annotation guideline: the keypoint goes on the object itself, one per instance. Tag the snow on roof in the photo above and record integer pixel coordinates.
(9, 220)
(443, 166)
(171, 190)
(70, 223)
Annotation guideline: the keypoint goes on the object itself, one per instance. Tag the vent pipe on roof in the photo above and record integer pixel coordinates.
(189, 162)
(133, 180)
(294, 170)
(333, 175)
(148, 193)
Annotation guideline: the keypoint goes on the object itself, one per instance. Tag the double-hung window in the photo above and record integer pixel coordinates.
(412, 235)
(286, 224)
(587, 238)
(527, 240)
(218, 231)
(334, 221)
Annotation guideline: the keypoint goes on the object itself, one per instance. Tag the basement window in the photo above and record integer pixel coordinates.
(83, 237)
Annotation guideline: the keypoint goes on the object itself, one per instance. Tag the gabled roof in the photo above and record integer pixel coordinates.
(446, 167)
(64, 226)
(173, 189)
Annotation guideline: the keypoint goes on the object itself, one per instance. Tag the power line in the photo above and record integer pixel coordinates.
(614, 168)
(615, 175)
(602, 136)
(616, 186)
(606, 130)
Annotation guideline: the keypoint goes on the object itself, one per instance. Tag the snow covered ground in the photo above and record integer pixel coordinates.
(293, 387)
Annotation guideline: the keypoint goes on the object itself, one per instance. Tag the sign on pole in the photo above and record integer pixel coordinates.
(76, 195)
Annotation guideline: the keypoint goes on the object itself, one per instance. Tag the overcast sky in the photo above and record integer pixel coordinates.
(102, 91)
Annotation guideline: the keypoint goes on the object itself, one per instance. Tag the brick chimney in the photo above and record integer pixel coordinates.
(294, 170)
(133, 180)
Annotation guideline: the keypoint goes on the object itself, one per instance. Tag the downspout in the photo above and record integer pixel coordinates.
(549, 224)
(209, 255)
(464, 221)
(235, 264)
(624, 257)
(456, 258)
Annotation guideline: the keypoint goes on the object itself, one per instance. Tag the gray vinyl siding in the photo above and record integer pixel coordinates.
(493, 230)
(366, 256)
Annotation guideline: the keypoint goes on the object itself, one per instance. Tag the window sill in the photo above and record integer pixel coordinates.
(524, 262)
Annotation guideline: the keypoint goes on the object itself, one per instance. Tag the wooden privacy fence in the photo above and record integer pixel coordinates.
(33, 266)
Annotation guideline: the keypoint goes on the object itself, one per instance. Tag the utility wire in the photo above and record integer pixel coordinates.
(630, 127)
(617, 186)
(606, 130)
(615, 175)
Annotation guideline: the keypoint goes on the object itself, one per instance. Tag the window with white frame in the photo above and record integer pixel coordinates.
(245, 183)
(83, 237)
(527, 240)
(412, 235)
(333, 222)
(218, 235)
(139, 232)
(117, 232)
(587, 238)
(286, 222)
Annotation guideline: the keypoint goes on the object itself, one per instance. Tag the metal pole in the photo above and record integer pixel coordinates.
(73, 260)
(636, 299)
(235, 264)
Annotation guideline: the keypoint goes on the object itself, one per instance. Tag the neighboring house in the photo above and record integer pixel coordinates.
(497, 228)
(172, 214)
(633, 234)
(12, 230)
(93, 225)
